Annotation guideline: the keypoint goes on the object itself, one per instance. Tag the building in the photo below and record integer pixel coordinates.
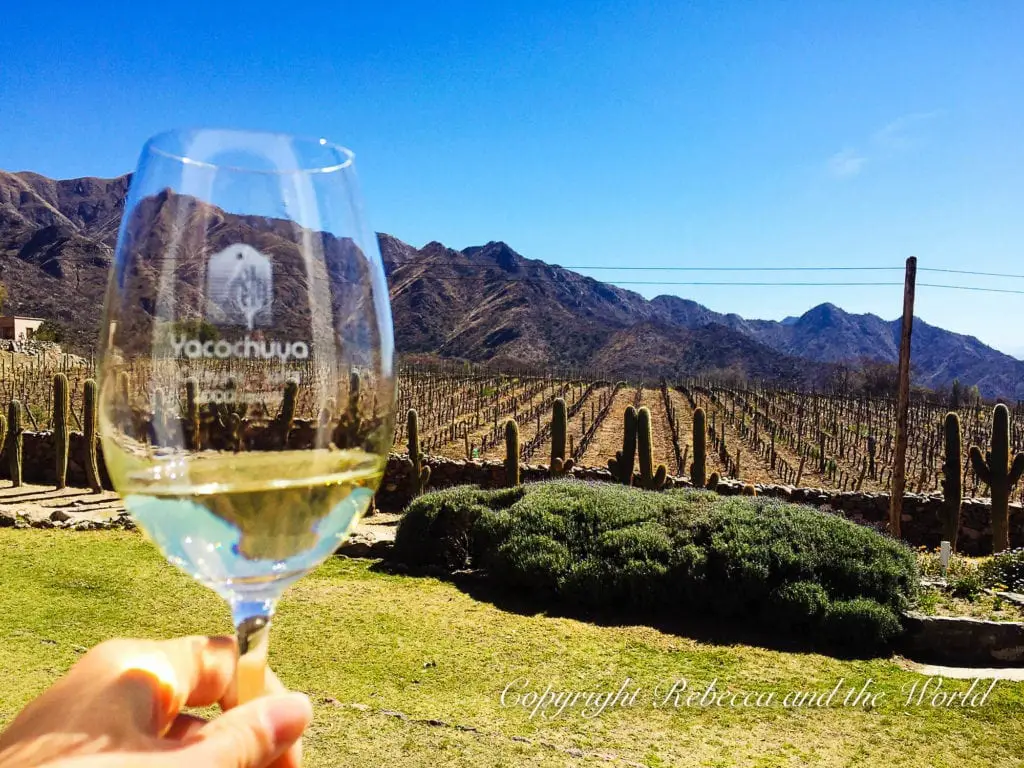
(19, 328)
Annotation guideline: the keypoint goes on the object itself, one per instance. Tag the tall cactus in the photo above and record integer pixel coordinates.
(61, 427)
(419, 475)
(192, 413)
(124, 402)
(511, 453)
(347, 432)
(952, 488)
(158, 421)
(622, 465)
(89, 422)
(3, 432)
(13, 446)
(650, 478)
(1000, 473)
(699, 467)
(286, 417)
(559, 426)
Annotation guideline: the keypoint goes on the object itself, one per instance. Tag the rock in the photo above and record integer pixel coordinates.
(59, 516)
(365, 546)
(963, 642)
(1012, 597)
(8, 519)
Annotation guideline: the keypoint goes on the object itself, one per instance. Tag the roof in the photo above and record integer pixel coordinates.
(22, 317)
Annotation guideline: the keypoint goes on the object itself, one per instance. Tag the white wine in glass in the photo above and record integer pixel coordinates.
(247, 364)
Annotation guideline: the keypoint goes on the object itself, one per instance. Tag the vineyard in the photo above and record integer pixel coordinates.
(755, 434)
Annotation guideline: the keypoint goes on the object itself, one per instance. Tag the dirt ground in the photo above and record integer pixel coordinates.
(36, 503)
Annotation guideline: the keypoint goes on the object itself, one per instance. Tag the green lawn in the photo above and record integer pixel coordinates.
(350, 636)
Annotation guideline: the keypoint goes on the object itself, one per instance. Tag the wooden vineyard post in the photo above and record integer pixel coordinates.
(899, 460)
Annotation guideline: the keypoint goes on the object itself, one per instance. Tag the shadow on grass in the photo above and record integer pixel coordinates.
(710, 630)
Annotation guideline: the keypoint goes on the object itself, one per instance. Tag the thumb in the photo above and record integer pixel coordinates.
(253, 735)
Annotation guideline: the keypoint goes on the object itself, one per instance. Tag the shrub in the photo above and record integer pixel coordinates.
(436, 526)
(967, 586)
(621, 549)
(1005, 570)
(860, 624)
(797, 604)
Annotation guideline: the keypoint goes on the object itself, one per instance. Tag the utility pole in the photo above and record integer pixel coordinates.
(899, 461)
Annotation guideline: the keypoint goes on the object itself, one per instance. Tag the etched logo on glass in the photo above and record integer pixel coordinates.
(239, 287)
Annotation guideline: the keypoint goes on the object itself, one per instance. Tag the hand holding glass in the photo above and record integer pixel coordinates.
(247, 380)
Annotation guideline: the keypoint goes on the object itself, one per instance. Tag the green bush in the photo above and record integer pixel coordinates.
(621, 549)
(860, 623)
(1005, 570)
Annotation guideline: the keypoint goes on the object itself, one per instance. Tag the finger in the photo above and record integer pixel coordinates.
(293, 757)
(205, 666)
(271, 684)
(153, 680)
(253, 735)
(185, 728)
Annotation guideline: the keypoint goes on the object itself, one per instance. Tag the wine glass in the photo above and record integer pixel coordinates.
(247, 381)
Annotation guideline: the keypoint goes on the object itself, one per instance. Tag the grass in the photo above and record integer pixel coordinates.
(349, 634)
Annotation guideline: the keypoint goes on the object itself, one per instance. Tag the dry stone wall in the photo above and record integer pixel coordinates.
(921, 522)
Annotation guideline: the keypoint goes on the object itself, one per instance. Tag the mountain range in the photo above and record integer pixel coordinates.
(490, 304)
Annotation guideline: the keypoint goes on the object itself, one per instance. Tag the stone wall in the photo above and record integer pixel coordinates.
(38, 460)
(921, 523)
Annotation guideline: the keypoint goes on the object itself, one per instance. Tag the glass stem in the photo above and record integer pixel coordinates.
(252, 624)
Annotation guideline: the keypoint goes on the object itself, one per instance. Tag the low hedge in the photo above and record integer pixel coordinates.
(613, 548)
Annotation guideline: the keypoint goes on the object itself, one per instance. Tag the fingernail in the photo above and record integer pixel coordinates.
(287, 715)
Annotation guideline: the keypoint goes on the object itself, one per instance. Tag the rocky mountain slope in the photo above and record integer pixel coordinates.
(488, 303)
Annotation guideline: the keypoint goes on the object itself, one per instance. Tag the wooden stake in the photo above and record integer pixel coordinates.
(899, 461)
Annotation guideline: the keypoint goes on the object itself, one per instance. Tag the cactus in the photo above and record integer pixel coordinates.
(13, 446)
(952, 488)
(89, 422)
(234, 429)
(650, 478)
(748, 490)
(323, 430)
(123, 393)
(191, 414)
(61, 427)
(158, 421)
(511, 453)
(286, 417)
(1000, 473)
(346, 433)
(3, 432)
(699, 467)
(559, 420)
(713, 480)
(419, 475)
(622, 465)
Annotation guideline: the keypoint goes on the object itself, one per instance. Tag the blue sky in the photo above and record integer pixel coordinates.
(592, 133)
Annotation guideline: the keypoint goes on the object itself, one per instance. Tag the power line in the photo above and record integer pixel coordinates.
(969, 272)
(740, 269)
(745, 283)
(457, 278)
(635, 268)
(970, 288)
